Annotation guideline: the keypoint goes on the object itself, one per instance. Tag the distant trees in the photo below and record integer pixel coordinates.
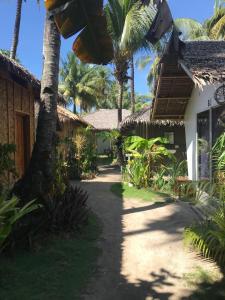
(82, 84)
(128, 22)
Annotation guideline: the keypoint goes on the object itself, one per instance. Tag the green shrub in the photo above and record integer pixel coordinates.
(208, 237)
(10, 214)
(7, 164)
(67, 211)
(148, 157)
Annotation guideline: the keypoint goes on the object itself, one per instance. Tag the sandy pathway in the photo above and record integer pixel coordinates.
(142, 249)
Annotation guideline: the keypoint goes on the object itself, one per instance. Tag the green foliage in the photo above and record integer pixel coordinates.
(218, 153)
(209, 237)
(124, 190)
(67, 211)
(7, 53)
(89, 155)
(146, 159)
(7, 164)
(136, 172)
(82, 84)
(10, 214)
(50, 270)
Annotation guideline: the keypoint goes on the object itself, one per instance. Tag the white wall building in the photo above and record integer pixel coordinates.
(191, 87)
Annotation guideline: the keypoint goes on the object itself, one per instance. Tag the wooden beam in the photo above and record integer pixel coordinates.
(167, 116)
(176, 77)
(173, 98)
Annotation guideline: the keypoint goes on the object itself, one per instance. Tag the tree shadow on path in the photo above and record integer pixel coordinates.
(108, 283)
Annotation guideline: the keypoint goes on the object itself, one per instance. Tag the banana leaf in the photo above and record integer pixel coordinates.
(94, 45)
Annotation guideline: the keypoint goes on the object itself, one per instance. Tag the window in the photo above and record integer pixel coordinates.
(170, 137)
(203, 145)
(210, 125)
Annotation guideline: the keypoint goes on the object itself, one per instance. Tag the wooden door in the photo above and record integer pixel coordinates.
(22, 143)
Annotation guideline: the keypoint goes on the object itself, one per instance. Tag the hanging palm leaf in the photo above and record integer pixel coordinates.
(93, 45)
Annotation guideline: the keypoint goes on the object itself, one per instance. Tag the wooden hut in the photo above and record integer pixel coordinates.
(141, 124)
(18, 91)
(69, 123)
(104, 120)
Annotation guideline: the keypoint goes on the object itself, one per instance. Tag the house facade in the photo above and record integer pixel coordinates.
(18, 92)
(19, 106)
(103, 121)
(140, 124)
(190, 87)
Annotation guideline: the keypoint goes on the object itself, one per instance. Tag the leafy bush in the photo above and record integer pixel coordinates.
(67, 211)
(136, 173)
(147, 159)
(10, 214)
(7, 164)
(208, 237)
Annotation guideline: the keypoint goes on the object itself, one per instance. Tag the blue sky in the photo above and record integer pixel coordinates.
(31, 34)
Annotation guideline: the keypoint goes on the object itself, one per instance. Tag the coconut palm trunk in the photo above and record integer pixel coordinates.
(16, 29)
(120, 103)
(132, 88)
(39, 177)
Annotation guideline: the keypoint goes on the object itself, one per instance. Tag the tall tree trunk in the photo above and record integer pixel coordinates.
(132, 89)
(74, 108)
(16, 29)
(39, 177)
(120, 103)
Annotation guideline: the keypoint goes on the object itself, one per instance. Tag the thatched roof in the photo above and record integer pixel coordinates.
(194, 63)
(105, 119)
(17, 71)
(205, 60)
(66, 115)
(143, 116)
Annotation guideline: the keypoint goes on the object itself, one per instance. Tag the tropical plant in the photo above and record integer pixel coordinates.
(39, 177)
(208, 237)
(212, 28)
(67, 211)
(7, 164)
(151, 153)
(215, 26)
(82, 84)
(16, 29)
(129, 22)
(136, 172)
(10, 214)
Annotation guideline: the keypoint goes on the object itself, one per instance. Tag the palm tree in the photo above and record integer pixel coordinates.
(215, 26)
(128, 21)
(16, 29)
(132, 84)
(81, 83)
(39, 176)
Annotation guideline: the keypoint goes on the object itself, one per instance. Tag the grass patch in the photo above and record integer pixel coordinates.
(60, 269)
(206, 284)
(123, 190)
(104, 160)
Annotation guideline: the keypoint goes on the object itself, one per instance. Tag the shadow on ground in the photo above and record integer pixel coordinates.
(109, 283)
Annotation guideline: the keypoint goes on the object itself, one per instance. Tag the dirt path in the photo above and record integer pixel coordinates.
(142, 249)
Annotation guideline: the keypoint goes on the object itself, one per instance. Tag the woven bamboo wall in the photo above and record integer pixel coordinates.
(15, 99)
